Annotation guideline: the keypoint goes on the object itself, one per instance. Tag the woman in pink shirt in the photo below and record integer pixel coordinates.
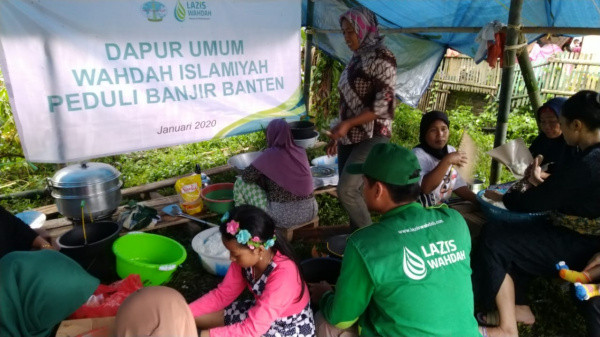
(262, 262)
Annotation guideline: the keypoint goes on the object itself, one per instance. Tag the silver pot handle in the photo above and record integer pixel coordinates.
(49, 182)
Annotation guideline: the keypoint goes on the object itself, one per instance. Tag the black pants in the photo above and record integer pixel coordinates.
(524, 251)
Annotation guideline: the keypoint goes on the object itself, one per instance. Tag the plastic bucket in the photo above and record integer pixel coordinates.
(216, 265)
(96, 256)
(218, 197)
(153, 257)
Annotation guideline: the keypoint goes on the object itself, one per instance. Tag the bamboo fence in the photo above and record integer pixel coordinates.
(562, 74)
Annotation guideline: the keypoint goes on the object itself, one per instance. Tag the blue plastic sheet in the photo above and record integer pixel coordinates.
(419, 55)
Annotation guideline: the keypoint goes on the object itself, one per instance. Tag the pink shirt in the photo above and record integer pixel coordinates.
(278, 300)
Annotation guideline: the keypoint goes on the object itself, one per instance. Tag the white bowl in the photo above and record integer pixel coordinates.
(214, 263)
(308, 142)
(34, 219)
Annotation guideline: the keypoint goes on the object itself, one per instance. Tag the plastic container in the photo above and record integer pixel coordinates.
(189, 189)
(218, 197)
(495, 213)
(153, 257)
(216, 265)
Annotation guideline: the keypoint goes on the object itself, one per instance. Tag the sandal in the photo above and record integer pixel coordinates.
(490, 318)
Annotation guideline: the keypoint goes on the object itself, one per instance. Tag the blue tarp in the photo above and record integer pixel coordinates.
(419, 55)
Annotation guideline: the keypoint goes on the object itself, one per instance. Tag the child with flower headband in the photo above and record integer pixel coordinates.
(262, 262)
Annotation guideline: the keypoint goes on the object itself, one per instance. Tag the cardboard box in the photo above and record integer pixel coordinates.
(89, 327)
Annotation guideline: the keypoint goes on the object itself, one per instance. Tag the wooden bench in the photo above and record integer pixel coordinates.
(288, 233)
(56, 227)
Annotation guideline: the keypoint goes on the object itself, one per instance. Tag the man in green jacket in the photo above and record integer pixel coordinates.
(407, 275)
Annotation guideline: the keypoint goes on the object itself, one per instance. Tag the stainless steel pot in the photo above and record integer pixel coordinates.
(96, 184)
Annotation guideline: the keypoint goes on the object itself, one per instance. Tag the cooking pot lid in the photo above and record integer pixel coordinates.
(84, 174)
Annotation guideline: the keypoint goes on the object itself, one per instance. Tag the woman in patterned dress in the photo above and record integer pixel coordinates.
(263, 263)
(367, 106)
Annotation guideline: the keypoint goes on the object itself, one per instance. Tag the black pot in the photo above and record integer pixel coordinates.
(96, 256)
(321, 269)
(302, 129)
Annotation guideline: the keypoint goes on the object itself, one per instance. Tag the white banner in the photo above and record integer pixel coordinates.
(94, 78)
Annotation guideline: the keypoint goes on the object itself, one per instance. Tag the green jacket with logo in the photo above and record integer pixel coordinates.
(408, 275)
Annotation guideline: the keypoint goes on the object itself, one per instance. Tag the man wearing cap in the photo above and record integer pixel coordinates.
(407, 275)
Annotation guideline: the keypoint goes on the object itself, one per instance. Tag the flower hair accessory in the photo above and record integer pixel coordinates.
(244, 237)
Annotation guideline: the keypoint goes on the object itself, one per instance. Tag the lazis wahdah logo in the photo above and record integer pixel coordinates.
(192, 10)
(434, 255)
(154, 11)
(414, 266)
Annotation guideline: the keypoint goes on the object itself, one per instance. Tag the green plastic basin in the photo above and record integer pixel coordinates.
(153, 257)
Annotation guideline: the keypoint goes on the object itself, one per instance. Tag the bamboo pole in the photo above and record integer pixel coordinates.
(308, 53)
(508, 72)
(533, 90)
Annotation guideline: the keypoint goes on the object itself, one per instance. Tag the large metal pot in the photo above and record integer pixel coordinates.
(96, 184)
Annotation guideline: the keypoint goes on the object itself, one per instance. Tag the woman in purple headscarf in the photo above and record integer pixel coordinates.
(279, 181)
(367, 105)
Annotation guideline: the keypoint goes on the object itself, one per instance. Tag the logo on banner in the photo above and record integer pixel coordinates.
(192, 10)
(154, 11)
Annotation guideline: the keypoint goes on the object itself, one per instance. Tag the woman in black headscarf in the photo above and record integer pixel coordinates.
(438, 161)
(550, 143)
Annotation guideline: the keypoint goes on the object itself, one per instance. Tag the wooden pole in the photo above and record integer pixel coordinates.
(533, 90)
(308, 53)
(506, 88)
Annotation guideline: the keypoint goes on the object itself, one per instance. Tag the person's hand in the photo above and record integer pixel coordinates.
(536, 177)
(41, 243)
(529, 169)
(340, 130)
(317, 290)
(331, 148)
(493, 195)
(458, 158)
(204, 333)
(594, 261)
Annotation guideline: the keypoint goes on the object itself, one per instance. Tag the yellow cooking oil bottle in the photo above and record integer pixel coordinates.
(189, 189)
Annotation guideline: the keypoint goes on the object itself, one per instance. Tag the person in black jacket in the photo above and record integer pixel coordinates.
(518, 252)
(17, 235)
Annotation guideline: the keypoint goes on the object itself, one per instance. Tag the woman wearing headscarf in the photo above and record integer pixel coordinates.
(367, 104)
(550, 143)
(155, 311)
(38, 290)
(438, 160)
(279, 181)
